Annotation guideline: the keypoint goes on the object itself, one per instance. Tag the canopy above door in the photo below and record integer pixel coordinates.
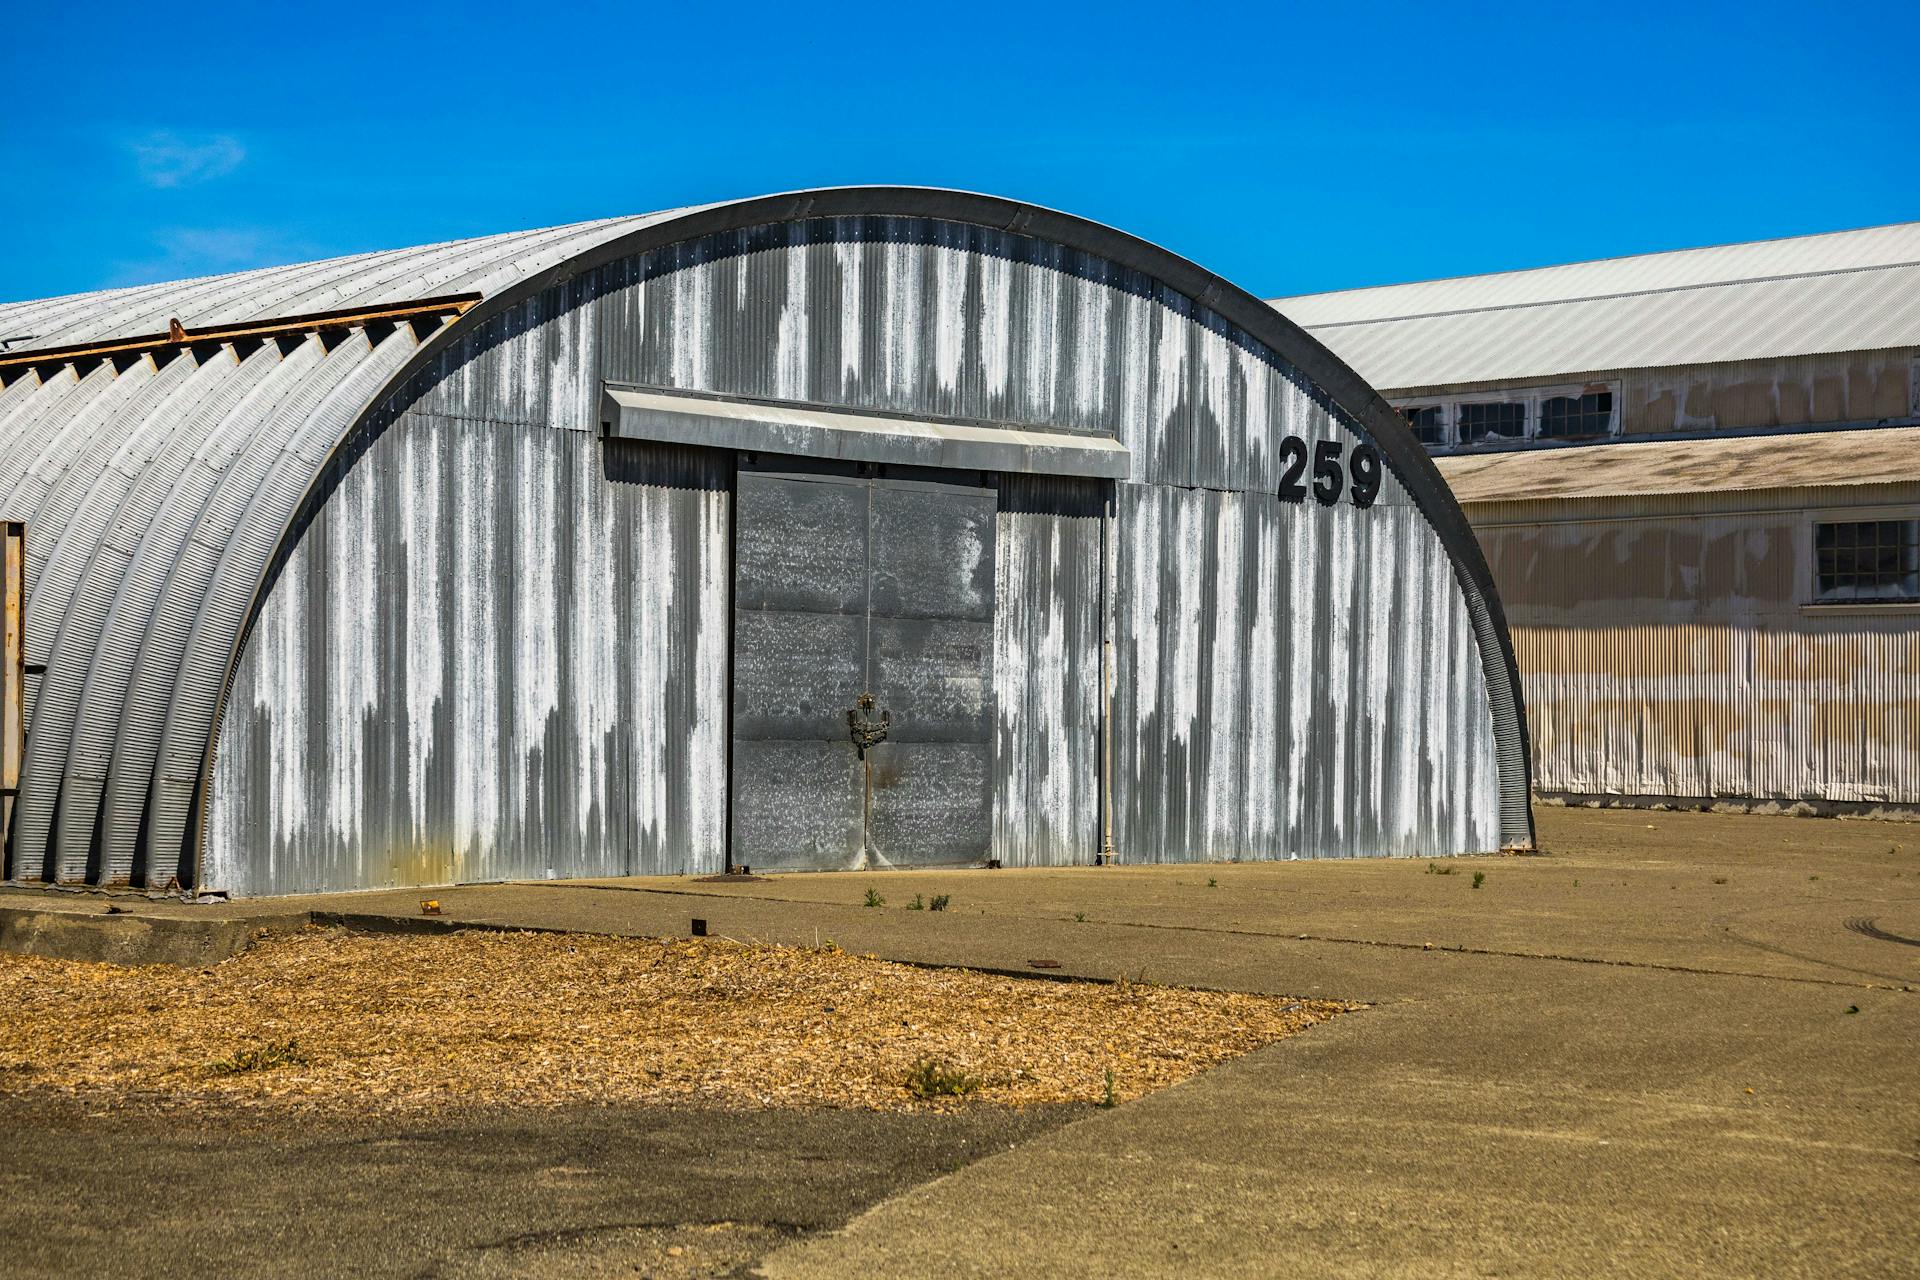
(808, 431)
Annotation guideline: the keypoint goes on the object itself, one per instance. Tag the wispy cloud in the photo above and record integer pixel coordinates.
(166, 159)
(183, 252)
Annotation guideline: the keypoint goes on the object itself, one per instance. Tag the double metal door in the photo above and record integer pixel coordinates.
(863, 709)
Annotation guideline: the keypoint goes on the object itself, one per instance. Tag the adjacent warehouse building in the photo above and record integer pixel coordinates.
(1697, 478)
(867, 527)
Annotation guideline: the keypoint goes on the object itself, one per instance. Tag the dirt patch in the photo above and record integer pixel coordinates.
(341, 1020)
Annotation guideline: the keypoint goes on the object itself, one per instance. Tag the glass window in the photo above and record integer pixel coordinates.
(1588, 415)
(1501, 421)
(1867, 560)
(1425, 423)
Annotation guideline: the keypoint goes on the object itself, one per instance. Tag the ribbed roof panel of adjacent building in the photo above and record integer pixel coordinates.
(1843, 291)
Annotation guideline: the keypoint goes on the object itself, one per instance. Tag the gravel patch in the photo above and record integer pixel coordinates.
(338, 1020)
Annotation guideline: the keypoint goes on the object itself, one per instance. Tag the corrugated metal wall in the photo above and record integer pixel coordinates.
(1666, 651)
(1047, 671)
(1293, 680)
(500, 653)
(1274, 655)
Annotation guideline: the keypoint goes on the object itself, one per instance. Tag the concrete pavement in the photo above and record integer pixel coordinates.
(1554, 1079)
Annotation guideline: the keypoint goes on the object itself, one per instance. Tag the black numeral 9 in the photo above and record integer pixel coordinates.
(1365, 465)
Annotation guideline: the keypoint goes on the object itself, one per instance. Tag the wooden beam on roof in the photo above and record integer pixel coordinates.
(179, 335)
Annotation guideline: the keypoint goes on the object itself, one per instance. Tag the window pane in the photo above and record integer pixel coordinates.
(1504, 421)
(1424, 420)
(1867, 560)
(1587, 415)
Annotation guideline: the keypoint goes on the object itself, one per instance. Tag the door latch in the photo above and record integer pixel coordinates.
(867, 732)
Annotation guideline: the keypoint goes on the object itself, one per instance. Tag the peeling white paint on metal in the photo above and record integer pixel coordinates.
(656, 731)
(1046, 664)
(593, 659)
(352, 658)
(950, 271)
(902, 328)
(790, 361)
(850, 259)
(1225, 832)
(692, 293)
(706, 807)
(1264, 715)
(1043, 349)
(475, 732)
(996, 325)
(421, 505)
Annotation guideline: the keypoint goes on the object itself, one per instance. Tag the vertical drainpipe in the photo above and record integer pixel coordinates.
(1108, 555)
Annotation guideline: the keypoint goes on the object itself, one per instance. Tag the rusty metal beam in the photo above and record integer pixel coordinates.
(13, 672)
(178, 335)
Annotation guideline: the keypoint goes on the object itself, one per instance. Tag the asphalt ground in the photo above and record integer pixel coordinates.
(1675, 1044)
(582, 1191)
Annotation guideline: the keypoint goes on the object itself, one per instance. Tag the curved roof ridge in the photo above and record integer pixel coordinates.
(374, 277)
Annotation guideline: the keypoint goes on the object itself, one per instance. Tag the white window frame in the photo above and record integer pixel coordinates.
(1530, 397)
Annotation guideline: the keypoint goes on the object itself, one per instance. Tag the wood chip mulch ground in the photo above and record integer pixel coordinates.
(349, 1021)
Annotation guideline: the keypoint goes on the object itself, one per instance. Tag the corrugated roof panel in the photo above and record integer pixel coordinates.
(1848, 291)
(1867, 249)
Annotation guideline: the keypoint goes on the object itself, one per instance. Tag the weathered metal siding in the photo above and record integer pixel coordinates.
(1293, 681)
(1047, 669)
(917, 315)
(497, 652)
(1668, 651)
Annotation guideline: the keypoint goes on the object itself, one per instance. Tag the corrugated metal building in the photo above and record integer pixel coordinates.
(1697, 478)
(847, 528)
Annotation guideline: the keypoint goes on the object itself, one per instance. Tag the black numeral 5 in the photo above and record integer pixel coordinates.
(1327, 476)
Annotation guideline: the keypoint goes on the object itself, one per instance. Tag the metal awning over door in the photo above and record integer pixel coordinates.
(863, 706)
(815, 431)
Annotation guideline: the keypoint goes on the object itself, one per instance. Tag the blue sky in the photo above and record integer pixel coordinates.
(1289, 147)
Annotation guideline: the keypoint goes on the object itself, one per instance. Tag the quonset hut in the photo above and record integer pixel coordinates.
(856, 527)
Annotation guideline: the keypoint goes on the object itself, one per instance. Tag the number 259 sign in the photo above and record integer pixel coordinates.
(1359, 476)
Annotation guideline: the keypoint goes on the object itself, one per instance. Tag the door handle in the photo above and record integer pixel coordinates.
(867, 732)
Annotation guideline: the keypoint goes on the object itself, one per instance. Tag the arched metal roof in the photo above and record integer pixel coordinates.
(158, 491)
(155, 490)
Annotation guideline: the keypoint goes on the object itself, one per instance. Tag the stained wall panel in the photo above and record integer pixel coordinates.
(1292, 681)
(495, 654)
(1047, 639)
(1670, 650)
